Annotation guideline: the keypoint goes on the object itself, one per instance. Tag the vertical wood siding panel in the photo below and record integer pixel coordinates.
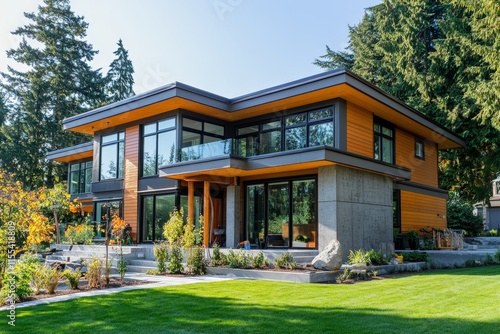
(131, 178)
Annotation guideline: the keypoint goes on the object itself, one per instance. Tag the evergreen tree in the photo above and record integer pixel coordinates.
(120, 76)
(58, 83)
(417, 51)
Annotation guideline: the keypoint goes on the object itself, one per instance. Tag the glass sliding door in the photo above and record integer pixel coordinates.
(156, 211)
(278, 213)
(255, 213)
(303, 213)
(282, 213)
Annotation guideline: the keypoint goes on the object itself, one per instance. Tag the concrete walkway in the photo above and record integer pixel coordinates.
(157, 281)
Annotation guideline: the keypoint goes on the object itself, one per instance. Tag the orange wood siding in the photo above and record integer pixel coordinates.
(422, 171)
(131, 179)
(421, 211)
(359, 130)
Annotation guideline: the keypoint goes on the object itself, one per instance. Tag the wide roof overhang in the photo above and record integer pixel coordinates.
(72, 153)
(325, 86)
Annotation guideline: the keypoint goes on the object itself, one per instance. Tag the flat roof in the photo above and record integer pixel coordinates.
(340, 83)
(72, 153)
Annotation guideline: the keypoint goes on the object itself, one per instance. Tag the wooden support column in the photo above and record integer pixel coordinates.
(206, 213)
(191, 202)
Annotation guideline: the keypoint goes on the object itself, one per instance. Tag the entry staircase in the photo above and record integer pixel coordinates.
(140, 258)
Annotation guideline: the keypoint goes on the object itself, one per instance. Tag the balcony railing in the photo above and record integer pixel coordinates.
(209, 150)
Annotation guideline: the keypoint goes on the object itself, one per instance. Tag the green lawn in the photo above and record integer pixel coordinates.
(450, 301)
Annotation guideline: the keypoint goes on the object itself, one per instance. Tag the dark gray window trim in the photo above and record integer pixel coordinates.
(383, 123)
(339, 121)
(79, 162)
(419, 141)
(115, 142)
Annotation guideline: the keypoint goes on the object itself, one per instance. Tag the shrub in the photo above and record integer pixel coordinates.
(94, 272)
(377, 258)
(240, 259)
(260, 260)
(160, 251)
(82, 233)
(72, 278)
(488, 260)
(461, 216)
(22, 276)
(218, 258)
(416, 256)
(358, 256)
(196, 261)
(497, 256)
(54, 276)
(285, 260)
(492, 233)
(41, 278)
(174, 228)
(153, 272)
(175, 265)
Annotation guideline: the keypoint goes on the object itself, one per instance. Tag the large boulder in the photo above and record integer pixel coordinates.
(330, 258)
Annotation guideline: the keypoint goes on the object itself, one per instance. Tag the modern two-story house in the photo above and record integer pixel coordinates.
(325, 157)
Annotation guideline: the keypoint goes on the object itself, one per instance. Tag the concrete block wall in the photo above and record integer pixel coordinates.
(354, 207)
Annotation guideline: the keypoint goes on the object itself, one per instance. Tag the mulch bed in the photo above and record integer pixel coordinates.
(83, 286)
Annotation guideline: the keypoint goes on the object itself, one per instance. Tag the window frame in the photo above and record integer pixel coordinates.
(380, 134)
(85, 169)
(419, 141)
(157, 134)
(308, 123)
(120, 165)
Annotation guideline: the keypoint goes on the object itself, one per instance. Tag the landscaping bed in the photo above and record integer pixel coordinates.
(64, 289)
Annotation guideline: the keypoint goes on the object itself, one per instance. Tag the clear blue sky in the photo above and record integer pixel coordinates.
(227, 47)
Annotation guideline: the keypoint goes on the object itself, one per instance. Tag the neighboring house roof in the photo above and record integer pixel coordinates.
(339, 83)
(72, 153)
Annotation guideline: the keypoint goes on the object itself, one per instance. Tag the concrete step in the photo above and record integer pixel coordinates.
(139, 269)
(144, 263)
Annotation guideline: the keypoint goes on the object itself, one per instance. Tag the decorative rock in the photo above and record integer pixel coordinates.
(330, 258)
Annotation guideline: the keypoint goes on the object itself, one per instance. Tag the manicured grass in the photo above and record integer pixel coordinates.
(451, 301)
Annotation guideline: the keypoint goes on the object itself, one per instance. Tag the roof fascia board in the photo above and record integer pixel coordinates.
(291, 89)
(176, 89)
(67, 151)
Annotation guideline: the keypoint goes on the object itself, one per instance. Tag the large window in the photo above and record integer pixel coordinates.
(383, 142)
(307, 129)
(159, 146)
(156, 211)
(112, 156)
(281, 213)
(200, 139)
(104, 213)
(80, 177)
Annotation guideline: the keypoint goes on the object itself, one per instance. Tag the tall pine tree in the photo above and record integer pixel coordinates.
(58, 83)
(120, 79)
(416, 51)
